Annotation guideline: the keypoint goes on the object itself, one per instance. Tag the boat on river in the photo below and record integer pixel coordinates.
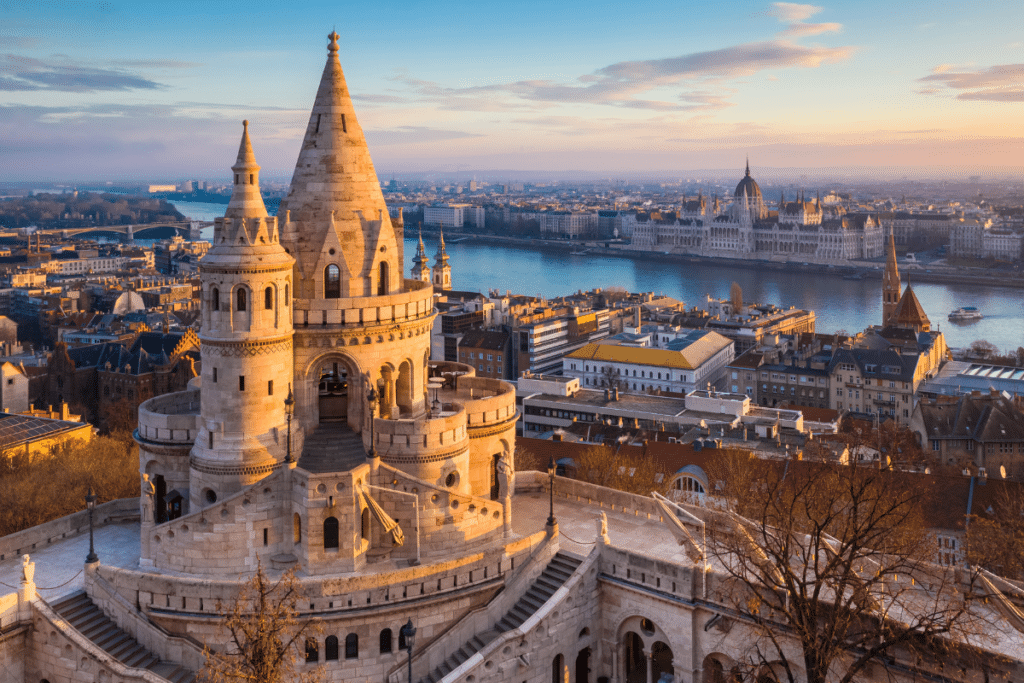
(966, 314)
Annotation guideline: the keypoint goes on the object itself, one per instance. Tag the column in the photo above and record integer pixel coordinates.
(650, 665)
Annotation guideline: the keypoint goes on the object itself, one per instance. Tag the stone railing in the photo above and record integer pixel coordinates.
(8, 611)
(421, 439)
(415, 302)
(168, 646)
(644, 572)
(22, 542)
(486, 401)
(171, 418)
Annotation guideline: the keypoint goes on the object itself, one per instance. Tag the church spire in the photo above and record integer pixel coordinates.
(442, 271)
(890, 282)
(748, 166)
(246, 200)
(420, 269)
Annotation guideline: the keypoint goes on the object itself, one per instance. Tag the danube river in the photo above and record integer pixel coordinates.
(839, 304)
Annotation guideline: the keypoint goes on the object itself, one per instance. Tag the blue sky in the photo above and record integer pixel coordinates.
(147, 90)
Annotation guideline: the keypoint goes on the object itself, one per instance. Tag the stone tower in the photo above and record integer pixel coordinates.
(420, 269)
(442, 270)
(890, 282)
(358, 323)
(246, 342)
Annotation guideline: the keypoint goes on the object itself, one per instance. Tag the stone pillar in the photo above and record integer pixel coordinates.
(650, 666)
(506, 506)
(147, 515)
(26, 589)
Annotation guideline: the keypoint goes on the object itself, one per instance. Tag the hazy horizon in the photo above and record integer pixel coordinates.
(138, 92)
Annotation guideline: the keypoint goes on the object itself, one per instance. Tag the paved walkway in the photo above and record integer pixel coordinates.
(59, 567)
(577, 527)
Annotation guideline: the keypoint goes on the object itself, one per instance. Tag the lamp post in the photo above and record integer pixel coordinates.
(371, 398)
(408, 634)
(90, 503)
(289, 409)
(551, 488)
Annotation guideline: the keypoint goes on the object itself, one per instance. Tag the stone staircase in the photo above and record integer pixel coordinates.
(551, 579)
(332, 447)
(83, 615)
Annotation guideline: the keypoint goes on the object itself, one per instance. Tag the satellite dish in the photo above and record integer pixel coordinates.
(1002, 471)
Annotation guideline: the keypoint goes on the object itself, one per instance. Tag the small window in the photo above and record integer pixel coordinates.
(331, 648)
(385, 641)
(241, 382)
(270, 387)
(312, 651)
(331, 533)
(268, 298)
(351, 646)
(240, 299)
(332, 282)
(215, 374)
(215, 299)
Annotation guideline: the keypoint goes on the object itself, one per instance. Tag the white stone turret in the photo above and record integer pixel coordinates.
(246, 343)
(442, 271)
(420, 269)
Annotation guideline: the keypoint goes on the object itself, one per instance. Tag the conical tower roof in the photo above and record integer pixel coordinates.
(442, 255)
(334, 175)
(892, 271)
(246, 200)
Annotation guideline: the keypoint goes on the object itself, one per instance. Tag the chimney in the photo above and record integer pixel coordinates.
(557, 436)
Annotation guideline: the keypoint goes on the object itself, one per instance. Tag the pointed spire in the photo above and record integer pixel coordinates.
(442, 255)
(782, 199)
(748, 166)
(246, 200)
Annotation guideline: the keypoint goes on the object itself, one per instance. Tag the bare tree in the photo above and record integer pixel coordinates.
(982, 348)
(608, 466)
(996, 541)
(736, 298)
(835, 559)
(266, 635)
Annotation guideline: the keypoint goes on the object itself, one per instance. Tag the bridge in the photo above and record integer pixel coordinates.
(188, 229)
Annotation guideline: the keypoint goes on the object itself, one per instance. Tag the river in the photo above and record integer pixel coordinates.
(839, 304)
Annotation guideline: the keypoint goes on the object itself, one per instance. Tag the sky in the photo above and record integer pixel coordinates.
(147, 91)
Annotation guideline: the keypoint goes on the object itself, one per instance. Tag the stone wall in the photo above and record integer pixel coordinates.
(112, 512)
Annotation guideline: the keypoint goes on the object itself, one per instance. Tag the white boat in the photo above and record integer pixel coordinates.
(966, 314)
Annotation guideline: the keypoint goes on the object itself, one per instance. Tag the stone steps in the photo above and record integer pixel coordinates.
(85, 617)
(558, 571)
(332, 447)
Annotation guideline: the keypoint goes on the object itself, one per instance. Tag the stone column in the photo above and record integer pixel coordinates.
(147, 514)
(26, 589)
(650, 666)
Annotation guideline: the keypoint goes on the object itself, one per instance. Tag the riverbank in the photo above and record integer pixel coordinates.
(858, 270)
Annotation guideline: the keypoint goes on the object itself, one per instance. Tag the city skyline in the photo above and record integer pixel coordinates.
(110, 90)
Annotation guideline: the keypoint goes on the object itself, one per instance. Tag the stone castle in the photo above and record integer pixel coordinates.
(321, 437)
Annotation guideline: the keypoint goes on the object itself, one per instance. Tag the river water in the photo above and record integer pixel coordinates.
(839, 304)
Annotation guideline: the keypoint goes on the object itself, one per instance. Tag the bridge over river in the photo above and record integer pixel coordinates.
(188, 229)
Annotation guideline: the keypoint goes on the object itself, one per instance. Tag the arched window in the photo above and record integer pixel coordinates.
(365, 524)
(382, 281)
(558, 669)
(331, 533)
(268, 298)
(331, 648)
(385, 641)
(351, 646)
(332, 282)
(312, 651)
(286, 295)
(402, 645)
(240, 299)
(215, 299)
(297, 524)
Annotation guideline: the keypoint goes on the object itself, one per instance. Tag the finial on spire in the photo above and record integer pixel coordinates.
(333, 47)
(748, 166)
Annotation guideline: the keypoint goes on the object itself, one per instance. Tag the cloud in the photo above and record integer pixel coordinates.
(801, 30)
(26, 73)
(155, 64)
(998, 83)
(791, 11)
(18, 42)
(415, 134)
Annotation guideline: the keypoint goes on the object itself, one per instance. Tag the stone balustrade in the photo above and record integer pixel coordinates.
(486, 401)
(415, 302)
(422, 439)
(170, 418)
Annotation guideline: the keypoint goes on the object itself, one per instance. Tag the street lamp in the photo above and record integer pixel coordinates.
(551, 488)
(371, 398)
(289, 409)
(408, 634)
(90, 503)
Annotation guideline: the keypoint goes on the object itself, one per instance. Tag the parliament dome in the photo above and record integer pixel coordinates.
(748, 185)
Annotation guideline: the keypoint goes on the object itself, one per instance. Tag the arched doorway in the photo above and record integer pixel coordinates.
(634, 660)
(333, 392)
(661, 661)
(403, 388)
(495, 478)
(160, 502)
(583, 666)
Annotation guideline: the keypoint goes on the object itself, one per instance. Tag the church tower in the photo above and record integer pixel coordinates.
(890, 282)
(246, 343)
(420, 269)
(442, 270)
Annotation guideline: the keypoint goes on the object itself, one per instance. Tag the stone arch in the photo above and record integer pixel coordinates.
(720, 668)
(241, 309)
(332, 282)
(350, 399)
(383, 279)
(331, 533)
(388, 397)
(364, 524)
(639, 631)
(404, 387)
(297, 528)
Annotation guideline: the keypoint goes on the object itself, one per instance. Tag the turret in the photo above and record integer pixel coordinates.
(890, 282)
(442, 271)
(420, 267)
